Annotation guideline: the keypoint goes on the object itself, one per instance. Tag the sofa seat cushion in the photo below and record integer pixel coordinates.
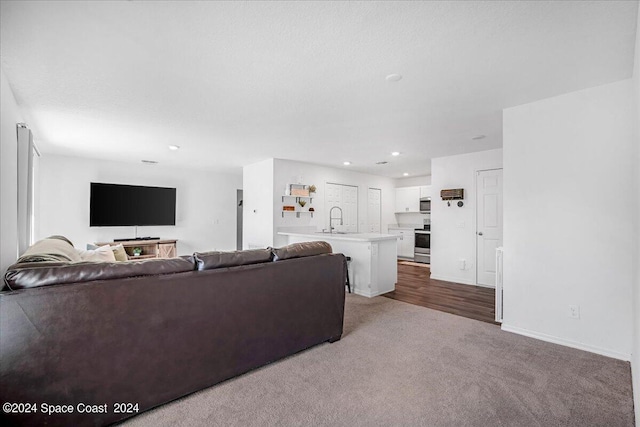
(215, 259)
(32, 275)
(298, 250)
(51, 249)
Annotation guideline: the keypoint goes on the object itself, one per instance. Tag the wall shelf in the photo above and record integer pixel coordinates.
(294, 200)
(298, 198)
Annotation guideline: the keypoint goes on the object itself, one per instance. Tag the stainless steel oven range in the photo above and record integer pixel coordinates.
(422, 249)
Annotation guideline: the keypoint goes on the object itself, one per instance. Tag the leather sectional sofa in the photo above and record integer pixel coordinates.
(96, 343)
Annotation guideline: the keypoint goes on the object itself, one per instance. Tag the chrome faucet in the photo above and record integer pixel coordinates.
(331, 218)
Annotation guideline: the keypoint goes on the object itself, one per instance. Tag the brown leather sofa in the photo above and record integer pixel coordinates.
(101, 337)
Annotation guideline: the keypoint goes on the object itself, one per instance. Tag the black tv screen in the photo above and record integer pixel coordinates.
(121, 205)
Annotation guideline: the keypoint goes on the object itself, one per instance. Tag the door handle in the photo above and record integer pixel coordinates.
(479, 233)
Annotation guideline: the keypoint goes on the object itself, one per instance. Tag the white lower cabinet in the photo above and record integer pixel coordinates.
(406, 242)
(373, 269)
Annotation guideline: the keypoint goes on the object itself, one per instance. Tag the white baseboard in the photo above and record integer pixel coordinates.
(635, 381)
(367, 294)
(485, 286)
(567, 343)
(452, 279)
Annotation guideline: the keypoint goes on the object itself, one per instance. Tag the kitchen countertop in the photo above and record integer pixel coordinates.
(350, 237)
(404, 226)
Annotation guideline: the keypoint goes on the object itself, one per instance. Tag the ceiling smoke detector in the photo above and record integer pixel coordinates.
(393, 77)
(381, 163)
(174, 147)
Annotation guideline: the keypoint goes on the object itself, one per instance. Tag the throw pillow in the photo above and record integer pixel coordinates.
(102, 254)
(50, 249)
(119, 253)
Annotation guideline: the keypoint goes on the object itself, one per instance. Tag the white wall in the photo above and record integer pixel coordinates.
(413, 181)
(264, 185)
(205, 207)
(257, 212)
(415, 220)
(569, 212)
(453, 228)
(291, 172)
(9, 117)
(635, 360)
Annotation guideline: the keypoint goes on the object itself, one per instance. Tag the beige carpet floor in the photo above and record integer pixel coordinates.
(400, 364)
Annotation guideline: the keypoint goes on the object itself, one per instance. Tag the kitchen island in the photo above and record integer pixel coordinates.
(373, 269)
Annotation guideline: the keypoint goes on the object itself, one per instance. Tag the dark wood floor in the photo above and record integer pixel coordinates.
(416, 287)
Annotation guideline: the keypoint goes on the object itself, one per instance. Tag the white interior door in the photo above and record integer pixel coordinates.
(374, 210)
(346, 198)
(350, 208)
(489, 224)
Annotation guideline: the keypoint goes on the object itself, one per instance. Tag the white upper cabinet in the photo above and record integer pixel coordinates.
(425, 191)
(408, 199)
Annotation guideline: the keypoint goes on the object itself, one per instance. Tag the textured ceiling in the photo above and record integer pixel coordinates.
(233, 83)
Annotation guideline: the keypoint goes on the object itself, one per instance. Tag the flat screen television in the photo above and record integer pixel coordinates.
(123, 205)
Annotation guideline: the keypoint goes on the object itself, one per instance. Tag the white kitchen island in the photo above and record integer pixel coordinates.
(373, 269)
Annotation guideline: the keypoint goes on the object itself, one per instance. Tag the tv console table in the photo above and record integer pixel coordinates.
(150, 248)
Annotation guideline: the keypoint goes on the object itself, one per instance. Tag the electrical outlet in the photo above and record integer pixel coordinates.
(462, 263)
(574, 311)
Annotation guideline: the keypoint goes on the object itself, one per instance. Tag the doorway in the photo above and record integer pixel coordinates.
(239, 204)
(488, 224)
(374, 210)
(346, 198)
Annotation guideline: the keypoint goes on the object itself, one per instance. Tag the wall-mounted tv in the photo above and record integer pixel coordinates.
(123, 205)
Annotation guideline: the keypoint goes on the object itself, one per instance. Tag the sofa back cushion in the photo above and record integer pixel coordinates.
(298, 250)
(214, 259)
(51, 249)
(32, 275)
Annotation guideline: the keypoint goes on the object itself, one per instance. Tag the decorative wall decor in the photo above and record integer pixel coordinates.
(299, 190)
(452, 194)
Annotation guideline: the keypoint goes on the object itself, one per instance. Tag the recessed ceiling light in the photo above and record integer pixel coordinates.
(174, 147)
(406, 174)
(382, 162)
(149, 162)
(395, 153)
(393, 77)
(477, 137)
(346, 163)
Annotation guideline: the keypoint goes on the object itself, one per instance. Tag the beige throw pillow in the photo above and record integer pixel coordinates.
(102, 254)
(119, 253)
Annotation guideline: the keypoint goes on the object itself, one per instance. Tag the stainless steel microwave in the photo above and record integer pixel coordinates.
(425, 205)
